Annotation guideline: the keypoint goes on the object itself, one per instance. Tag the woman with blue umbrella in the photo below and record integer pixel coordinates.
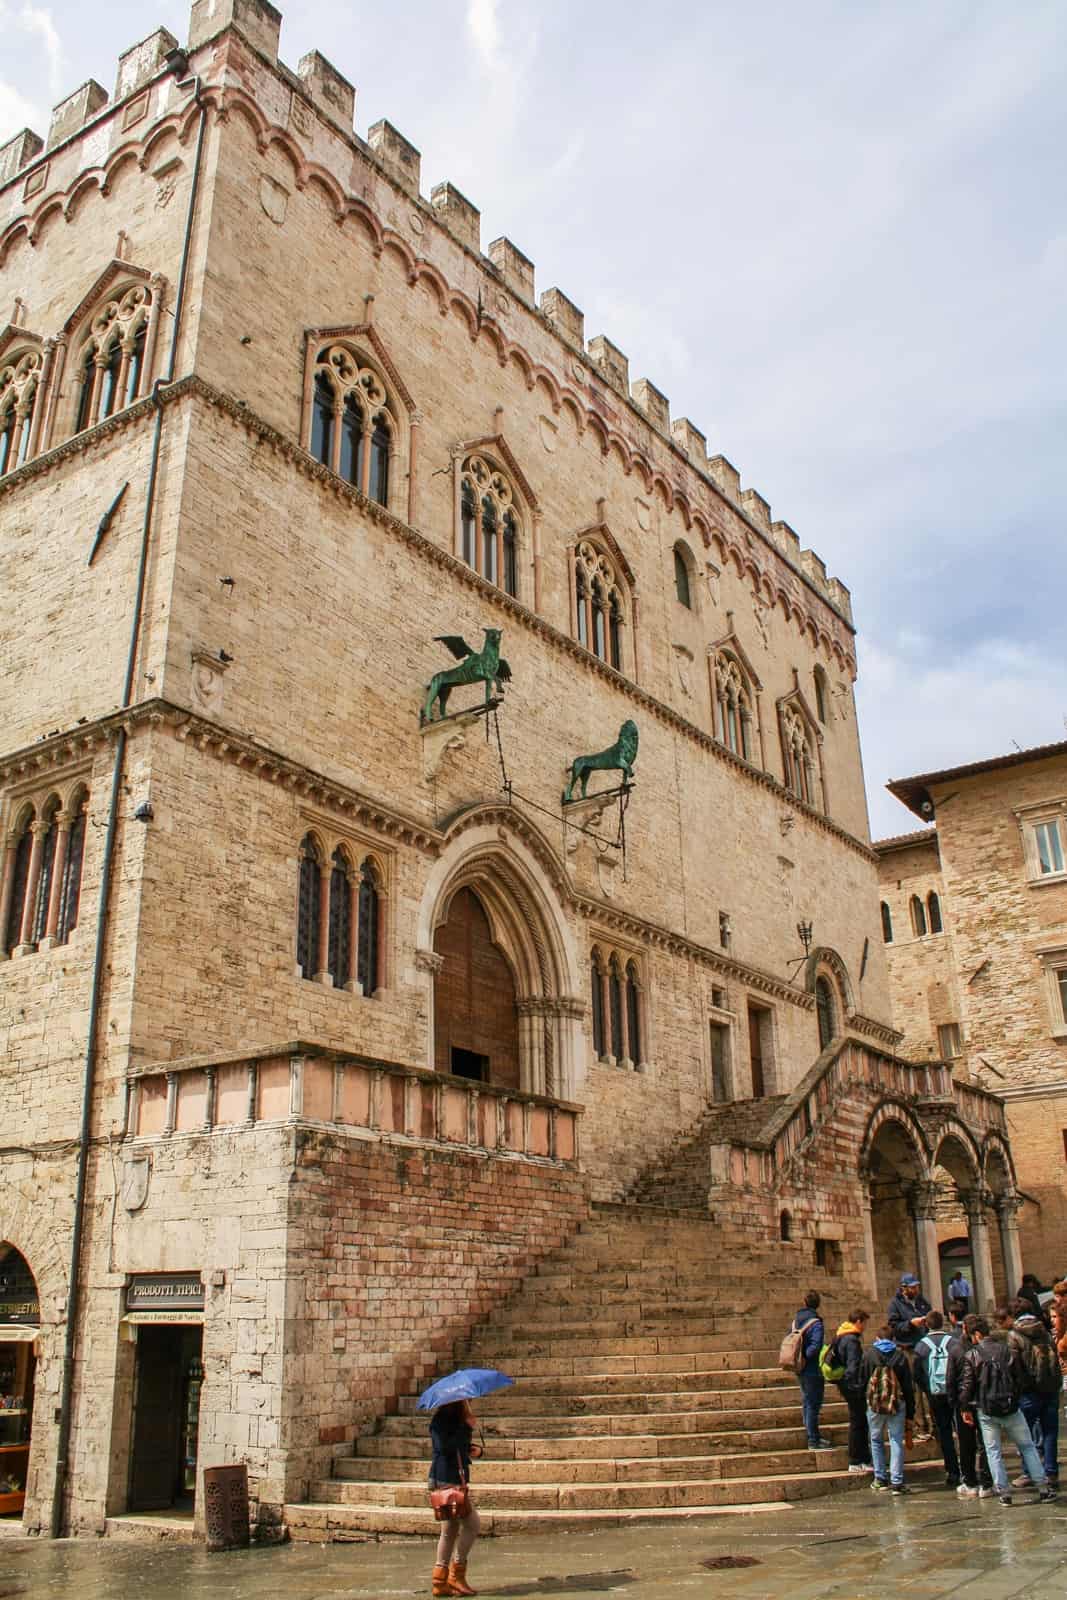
(451, 1436)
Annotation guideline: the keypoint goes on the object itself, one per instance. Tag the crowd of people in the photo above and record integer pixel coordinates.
(978, 1383)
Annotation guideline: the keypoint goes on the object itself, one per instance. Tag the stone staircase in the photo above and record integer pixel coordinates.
(681, 1177)
(644, 1353)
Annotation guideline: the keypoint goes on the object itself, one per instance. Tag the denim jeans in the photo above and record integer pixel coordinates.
(1042, 1413)
(812, 1388)
(896, 1422)
(994, 1429)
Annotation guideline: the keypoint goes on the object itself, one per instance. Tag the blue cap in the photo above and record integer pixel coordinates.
(907, 1280)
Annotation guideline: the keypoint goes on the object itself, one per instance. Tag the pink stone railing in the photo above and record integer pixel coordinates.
(847, 1064)
(309, 1084)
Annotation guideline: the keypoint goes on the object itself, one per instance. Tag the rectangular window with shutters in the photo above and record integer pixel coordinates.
(1044, 838)
(759, 1049)
(949, 1043)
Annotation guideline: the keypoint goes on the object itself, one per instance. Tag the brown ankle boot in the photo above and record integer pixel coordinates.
(440, 1581)
(457, 1579)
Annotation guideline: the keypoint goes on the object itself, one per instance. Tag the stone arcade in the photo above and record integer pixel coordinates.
(324, 1030)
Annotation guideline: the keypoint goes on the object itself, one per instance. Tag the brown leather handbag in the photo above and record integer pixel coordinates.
(454, 1501)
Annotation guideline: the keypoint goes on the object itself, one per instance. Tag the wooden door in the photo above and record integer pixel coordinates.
(474, 997)
(755, 1050)
(154, 1477)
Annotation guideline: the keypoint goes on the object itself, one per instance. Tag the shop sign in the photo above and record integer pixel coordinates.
(165, 1297)
(19, 1302)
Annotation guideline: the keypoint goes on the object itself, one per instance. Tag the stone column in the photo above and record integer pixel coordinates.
(414, 426)
(6, 889)
(1007, 1207)
(323, 975)
(981, 1256)
(922, 1203)
(429, 963)
(63, 823)
(868, 1236)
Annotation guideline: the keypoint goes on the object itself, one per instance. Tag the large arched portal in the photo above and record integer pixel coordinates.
(476, 1018)
(894, 1164)
(504, 1001)
(20, 1319)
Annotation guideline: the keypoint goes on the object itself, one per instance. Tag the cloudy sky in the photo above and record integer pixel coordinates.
(834, 234)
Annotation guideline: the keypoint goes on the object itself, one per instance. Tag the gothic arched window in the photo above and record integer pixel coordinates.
(887, 923)
(733, 705)
(19, 381)
(309, 902)
(111, 366)
(600, 603)
(70, 886)
(918, 916)
(600, 1043)
(682, 588)
(368, 963)
(353, 425)
(489, 522)
(339, 952)
(634, 1032)
(825, 1011)
(933, 910)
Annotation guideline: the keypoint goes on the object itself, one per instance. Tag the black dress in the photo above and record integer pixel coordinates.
(451, 1442)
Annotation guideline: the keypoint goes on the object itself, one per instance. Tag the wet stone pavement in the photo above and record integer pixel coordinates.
(858, 1546)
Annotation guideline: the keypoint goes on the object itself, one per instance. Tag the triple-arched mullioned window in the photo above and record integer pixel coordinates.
(340, 923)
(602, 603)
(20, 378)
(353, 420)
(110, 369)
(618, 1009)
(489, 521)
(734, 705)
(40, 890)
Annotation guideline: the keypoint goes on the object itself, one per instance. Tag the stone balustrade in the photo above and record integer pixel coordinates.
(308, 1084)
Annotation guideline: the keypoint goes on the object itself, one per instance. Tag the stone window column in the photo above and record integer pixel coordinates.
(323, 974)
(7, 887)
(1007, 1207)
(974, 1204)
(922, 1204)
(430, 963)
(63, 823)
(352, 982)
(414, 427)
(39, 829)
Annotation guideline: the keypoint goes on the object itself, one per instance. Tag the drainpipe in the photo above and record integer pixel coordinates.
(179, 63)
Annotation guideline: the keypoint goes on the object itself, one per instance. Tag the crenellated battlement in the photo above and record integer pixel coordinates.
(158, 59)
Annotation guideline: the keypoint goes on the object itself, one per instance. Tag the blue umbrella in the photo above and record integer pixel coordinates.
(466, 1384)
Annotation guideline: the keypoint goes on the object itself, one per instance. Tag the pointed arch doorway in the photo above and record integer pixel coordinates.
(476, 1018)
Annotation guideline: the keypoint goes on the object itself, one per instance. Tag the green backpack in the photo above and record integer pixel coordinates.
(830, 1363)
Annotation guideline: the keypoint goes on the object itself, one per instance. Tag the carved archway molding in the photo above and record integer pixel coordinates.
(525, 909)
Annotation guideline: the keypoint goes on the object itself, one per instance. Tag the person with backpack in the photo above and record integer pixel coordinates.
(1040, 1399)
(845, 1355)
(974, 1467)
(991, 1383)
(812, 1383)
(890, 1394)
(931, 1379)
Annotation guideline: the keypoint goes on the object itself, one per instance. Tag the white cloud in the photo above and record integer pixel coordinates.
(38, 20)
(484, 26)
(921, 713)
(16, 112)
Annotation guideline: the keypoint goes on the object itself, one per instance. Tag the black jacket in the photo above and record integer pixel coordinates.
(954, 1373)
(850, 1350)
(873, 1359)
(977, 1373)
(451, 1448)
(901, 1310)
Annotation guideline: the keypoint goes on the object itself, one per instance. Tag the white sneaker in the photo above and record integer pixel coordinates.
(966, 1493)
(985, 1494)
(860, 1469)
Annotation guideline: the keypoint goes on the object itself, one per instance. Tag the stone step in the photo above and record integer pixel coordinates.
(635, 1491)
(623, 1423)
(631, 1403)
(591, 1344)
(408, 1456)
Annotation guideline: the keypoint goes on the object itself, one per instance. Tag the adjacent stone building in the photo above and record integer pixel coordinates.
(974, 914)
(323, 1018)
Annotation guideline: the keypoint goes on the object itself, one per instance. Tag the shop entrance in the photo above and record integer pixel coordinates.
(20, 1318)
(166, 1416)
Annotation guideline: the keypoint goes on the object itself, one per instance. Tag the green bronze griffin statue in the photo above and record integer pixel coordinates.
(486, 666)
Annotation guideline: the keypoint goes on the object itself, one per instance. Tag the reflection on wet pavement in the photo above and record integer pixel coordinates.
(853, 1547)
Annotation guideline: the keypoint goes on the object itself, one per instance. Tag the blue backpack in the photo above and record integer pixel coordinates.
(937, 1361)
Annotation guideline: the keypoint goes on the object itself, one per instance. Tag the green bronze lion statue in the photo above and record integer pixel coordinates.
(619, 758)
